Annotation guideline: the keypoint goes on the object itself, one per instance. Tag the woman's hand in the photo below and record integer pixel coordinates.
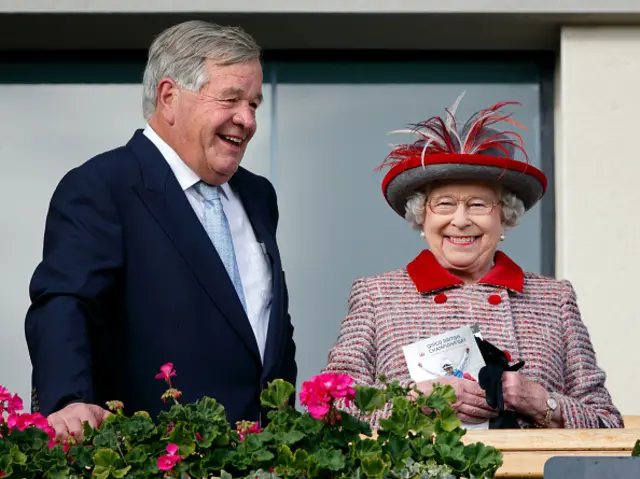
(471, 403)
(524, 396)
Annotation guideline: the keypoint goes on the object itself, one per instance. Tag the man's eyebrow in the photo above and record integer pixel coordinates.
(232, 91)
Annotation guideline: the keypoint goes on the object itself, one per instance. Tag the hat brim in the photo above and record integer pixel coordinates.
(404, 180)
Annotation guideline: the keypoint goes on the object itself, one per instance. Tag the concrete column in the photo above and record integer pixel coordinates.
(598, 194)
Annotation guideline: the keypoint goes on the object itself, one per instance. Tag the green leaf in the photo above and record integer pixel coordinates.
(87, 431)
(448, 393)
(57, 473)
(290, 437)
(422, 449)
(369, 399)
(451, 450)
(636, 449)
(183, 437)
(448, 421)
(82, 456)
(330, 459)
(374, 467)
(17, 456)
(483, 460)
(120, 473)
(220, 458)
(277, 394)
(100, 472)
(310, 425)
(441, 397)
(285, 457)
(300, 459)
(139, 427)
(262, 455)
(106, 439)
(368, 449)
(253, 442)
(137, 455)
(401, 404)
(399, 449)
(5, 461)
(106, 458)
(351, 423)
(450, 439)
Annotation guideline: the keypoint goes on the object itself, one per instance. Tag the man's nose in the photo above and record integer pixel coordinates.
(246, 118)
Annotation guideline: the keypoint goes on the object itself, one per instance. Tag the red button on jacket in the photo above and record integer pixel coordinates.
(495, 299)
(440, 298)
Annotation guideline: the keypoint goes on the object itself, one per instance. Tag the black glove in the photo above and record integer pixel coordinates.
(490, 379)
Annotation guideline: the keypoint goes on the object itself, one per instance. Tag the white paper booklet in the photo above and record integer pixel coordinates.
(454, 353)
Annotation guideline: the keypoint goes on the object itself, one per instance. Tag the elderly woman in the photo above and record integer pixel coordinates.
(462, 190)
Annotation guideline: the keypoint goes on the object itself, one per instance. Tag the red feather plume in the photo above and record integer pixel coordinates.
(441, 136)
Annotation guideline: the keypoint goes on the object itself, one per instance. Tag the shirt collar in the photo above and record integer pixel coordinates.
(186, 176)
(428, 275)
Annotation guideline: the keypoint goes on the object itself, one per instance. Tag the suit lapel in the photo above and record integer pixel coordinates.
(258, 214)
(168, 204)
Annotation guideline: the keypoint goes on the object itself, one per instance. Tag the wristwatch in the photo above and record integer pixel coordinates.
(552, 405)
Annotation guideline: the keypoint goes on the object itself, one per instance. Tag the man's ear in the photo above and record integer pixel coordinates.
(167, 95)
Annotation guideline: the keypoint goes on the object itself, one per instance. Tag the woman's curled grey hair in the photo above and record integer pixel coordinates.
(512, 209)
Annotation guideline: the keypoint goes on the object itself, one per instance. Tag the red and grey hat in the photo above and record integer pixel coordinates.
(477, 151)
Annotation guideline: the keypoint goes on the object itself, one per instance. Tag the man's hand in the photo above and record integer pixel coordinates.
(69, 420)
(471, 403)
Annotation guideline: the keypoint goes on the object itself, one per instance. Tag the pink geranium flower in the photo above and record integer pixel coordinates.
(4, 394)
(315, 396)
(25, 420)
(319, 393)
(253, 429)
(14, 403)
(168, 461)
(338, 385)
(166, 371)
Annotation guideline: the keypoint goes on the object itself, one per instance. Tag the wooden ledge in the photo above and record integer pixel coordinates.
(556, 439)
(526, 451)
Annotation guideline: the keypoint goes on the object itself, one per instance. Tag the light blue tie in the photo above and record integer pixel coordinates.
(217, 227)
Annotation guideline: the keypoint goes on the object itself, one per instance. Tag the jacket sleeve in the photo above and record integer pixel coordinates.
(586, 403)
(355, 352)
(289, 368)
(81, 256)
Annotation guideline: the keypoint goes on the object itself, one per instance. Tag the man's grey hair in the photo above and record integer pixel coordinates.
(512, 209)
(181, 53)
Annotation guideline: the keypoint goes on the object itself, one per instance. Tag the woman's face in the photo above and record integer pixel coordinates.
(462, 227)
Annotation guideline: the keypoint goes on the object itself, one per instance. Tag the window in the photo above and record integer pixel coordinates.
(322, 131)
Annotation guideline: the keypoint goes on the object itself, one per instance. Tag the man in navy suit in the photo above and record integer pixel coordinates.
(164, 250)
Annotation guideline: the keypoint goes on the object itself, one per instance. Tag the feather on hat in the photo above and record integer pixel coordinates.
(476, 152)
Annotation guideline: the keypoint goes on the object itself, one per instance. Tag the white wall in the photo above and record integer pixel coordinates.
(597, 179)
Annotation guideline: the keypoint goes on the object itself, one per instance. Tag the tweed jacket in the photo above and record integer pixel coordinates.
(536, 319)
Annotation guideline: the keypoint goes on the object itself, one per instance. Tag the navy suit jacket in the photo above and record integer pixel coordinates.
(130, 280)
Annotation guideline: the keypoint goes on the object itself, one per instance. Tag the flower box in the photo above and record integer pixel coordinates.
(332, 439)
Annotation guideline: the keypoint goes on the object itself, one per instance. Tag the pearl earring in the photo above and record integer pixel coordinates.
(422, 234)
(502, 237)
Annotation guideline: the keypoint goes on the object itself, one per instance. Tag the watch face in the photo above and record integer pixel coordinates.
(552, 403)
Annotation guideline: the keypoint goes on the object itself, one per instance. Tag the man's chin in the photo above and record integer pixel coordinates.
(226, 170)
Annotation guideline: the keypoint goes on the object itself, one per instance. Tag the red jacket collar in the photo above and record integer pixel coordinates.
(428, 275)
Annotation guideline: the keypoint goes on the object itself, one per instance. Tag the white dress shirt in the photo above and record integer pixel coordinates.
(254, 267)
